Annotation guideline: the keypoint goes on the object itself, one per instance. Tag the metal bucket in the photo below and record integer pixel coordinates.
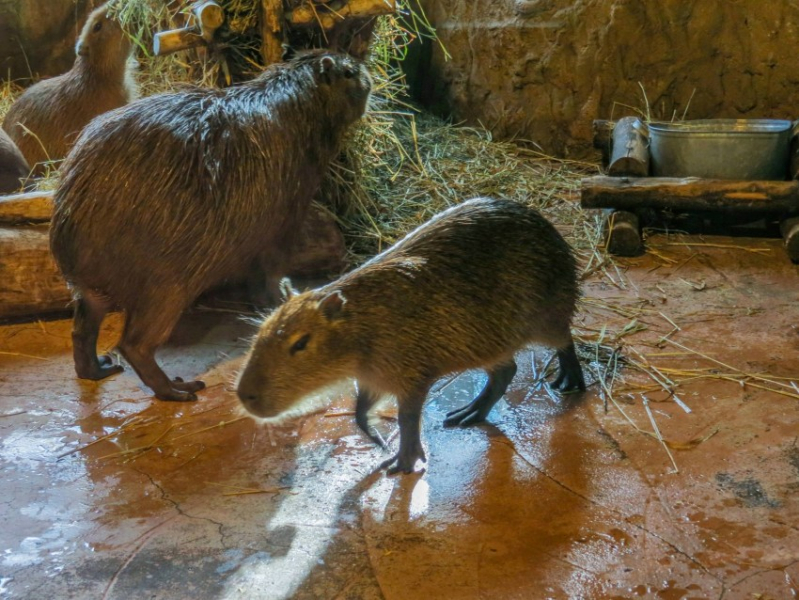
(721, 148)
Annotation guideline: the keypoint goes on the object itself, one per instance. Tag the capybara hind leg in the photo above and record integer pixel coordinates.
(570, 375)
(89, 313)
(499, 379)
(363, 404)
(410, 447)
(144, 332)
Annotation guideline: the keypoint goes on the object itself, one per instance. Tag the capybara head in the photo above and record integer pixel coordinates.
(344, 82)
(102, 42)
(299, 350)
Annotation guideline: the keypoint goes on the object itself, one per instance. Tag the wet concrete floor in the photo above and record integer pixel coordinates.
(107, 493)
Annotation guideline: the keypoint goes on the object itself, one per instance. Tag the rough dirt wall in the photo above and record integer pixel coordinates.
(542, 70)
(37, 37)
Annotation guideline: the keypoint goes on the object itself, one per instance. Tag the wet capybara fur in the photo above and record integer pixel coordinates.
(466, 290)
(171, 194)
(14, 170)
(47, 118)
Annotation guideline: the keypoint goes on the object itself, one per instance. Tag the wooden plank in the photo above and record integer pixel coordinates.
(628, 193)
(630, 150)
(32, 283)
(33, 207)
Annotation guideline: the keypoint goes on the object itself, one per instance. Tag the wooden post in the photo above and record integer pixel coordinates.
(603, 139)
(630, 153)
(790, 233)
(272, 31)
(623, 233)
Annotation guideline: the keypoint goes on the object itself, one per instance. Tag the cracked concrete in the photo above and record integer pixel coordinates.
(109, 494)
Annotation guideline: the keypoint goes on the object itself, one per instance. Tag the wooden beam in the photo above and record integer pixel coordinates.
(33, 207)
(628, 193)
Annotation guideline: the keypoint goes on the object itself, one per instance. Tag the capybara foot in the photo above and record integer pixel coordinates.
(100, 369)
(187, 386)
(471, 414)
(405, 461)
(176, 395)
(570, 376)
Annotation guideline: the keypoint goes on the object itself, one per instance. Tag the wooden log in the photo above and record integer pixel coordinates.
(33, 207)
(327, 16)
(754, 197)
(790, 233)
(630, 150)
(603, 139)
(208, 16)
(623, 233)
(32, 283)
(174, 40)
(272, 30)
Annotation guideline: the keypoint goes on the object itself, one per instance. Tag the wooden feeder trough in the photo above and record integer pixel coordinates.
(633, 192)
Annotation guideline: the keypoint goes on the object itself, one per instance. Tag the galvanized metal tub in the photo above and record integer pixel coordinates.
(721, 148)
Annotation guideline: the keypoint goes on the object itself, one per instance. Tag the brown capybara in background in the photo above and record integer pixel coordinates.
(466, 290)
(47, 118)
(14, 170)
(163, 198)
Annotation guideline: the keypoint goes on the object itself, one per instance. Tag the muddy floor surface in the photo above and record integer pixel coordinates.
(628, 491)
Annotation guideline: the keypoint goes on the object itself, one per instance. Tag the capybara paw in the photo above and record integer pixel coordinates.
(405, 463)
(464, 416)
(187, 386)
(105, 360)
(175, 395)
(569, 382)
(101, 370)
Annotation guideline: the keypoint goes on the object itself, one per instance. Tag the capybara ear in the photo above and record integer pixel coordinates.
(332, 305)
(287, 291)
(326, 66)
(288, 52)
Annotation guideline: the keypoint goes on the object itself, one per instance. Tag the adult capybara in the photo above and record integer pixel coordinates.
(14, 170)
(465, 290)
(47, 118)
(163, 198)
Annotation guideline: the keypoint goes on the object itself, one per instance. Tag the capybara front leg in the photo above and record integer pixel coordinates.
(570, 375)
(410, 447)
(89, 313)
(364, 401)
(499, 378)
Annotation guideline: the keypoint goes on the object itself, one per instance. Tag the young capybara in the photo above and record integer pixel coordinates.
(171, 194)
(466, 290)
(14, 170)
(47, 118)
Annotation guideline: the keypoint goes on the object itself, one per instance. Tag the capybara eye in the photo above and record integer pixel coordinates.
(97, 26)
(300, 344)
(349, 73)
